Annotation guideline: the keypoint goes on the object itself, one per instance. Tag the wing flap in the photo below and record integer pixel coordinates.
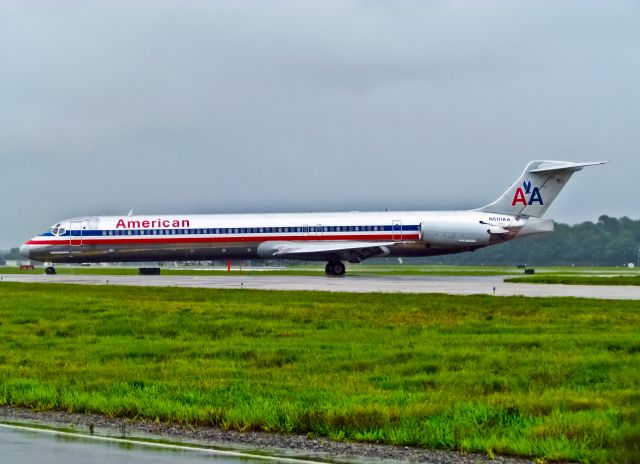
(352, 251)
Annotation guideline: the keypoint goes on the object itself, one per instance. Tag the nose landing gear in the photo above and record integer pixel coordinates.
(50, 270)
(334, 268)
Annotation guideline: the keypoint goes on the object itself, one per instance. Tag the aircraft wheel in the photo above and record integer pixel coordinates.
(337, 269)
(50, 270)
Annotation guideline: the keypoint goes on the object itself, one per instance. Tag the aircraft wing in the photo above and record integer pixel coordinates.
(352, 251)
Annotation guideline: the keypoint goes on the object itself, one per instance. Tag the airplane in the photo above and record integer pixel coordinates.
(332, 237)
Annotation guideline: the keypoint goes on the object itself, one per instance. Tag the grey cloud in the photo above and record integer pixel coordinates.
(283, 106)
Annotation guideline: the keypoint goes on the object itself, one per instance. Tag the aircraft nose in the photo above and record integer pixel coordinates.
(24, 250)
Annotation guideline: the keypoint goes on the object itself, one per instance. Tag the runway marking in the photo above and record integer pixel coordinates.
(150, 444)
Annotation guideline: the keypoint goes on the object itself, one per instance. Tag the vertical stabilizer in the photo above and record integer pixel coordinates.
(536, 188)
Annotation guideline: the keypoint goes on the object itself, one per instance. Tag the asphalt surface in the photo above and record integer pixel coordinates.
(453, 285)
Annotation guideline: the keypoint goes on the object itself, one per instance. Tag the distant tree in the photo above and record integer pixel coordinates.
(608, 242)
(14, 253)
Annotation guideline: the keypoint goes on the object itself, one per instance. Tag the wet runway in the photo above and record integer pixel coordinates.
(26, 445)
(453, 285)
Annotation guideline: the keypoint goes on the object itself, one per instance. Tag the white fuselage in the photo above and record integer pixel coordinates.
(326, 236)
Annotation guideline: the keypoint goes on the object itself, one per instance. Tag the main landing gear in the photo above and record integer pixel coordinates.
(334, 268)
(50, 270)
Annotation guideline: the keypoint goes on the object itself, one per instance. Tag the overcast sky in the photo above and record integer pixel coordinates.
(203, 106)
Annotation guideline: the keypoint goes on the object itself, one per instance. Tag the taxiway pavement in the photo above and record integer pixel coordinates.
(453, 285)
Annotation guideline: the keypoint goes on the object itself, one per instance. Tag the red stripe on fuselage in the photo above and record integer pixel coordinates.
(146, 240)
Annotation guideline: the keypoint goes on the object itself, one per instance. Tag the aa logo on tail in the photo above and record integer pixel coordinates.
(522, 192)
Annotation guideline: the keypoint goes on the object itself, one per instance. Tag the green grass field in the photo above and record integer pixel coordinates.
(317, 269)
(554, 378)
(577, 279)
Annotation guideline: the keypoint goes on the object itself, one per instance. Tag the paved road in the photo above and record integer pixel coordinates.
(458, 285)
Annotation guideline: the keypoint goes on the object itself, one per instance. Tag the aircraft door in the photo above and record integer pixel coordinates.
(76, 229)
(396, 230)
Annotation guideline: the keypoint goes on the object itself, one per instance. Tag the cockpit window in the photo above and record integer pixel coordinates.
(56, 230)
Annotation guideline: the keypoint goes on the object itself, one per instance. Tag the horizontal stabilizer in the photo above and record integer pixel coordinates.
(563, 165)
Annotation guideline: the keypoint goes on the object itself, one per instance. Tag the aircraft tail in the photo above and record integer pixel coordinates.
(536, 188)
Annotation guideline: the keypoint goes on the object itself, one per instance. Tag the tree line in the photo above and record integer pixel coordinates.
(607, 242)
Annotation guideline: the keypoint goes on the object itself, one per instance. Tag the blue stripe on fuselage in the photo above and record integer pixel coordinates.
(239, 230)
